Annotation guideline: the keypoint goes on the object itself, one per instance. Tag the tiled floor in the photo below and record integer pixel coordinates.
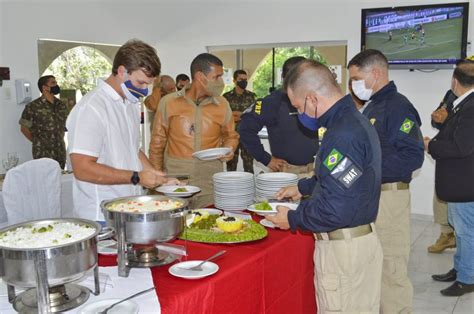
(422, 265)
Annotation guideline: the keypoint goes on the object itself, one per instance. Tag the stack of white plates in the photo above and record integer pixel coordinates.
(233, 190)
(269, 183)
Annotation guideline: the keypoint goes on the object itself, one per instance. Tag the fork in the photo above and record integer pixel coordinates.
(104, 311)
(198, 266)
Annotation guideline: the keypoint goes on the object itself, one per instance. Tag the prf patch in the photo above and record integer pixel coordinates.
(346, 173)
(258, 107)
(407, 125)
(372, 121)
(333, 159)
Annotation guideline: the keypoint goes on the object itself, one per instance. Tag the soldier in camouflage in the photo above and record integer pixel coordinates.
(43, 122)
(240, 99)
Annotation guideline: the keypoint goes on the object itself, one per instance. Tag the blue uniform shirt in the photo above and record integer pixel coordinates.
(398, 125)
(346, 187)
(289, 140)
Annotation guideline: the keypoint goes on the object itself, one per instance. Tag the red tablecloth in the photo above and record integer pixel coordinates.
(273, 275)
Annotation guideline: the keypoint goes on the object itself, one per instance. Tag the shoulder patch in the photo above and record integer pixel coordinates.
(372, 121)
(407, 125)
(333, 159)
(258, 107)
(346, 173)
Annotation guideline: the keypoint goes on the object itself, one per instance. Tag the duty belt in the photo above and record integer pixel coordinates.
(346, 233)
(395, 186)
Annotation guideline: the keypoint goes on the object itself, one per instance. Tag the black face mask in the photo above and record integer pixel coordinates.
(242, 84)
(55, 90)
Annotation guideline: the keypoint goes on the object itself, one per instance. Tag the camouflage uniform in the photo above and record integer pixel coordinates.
(240, 103)
(47, 123)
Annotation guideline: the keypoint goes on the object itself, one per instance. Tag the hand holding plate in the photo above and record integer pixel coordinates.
(280, 220)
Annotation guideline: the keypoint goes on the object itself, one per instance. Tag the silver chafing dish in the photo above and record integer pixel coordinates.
(137, 233)
(47, 270)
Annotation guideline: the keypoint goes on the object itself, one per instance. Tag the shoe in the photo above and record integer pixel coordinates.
(457, 289)
(449, 276)
(445, 241)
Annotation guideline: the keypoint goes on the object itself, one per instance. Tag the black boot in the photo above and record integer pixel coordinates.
(457, 289)
(449, 276)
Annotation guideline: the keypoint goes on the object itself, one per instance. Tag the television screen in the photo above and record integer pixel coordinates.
(425, 36)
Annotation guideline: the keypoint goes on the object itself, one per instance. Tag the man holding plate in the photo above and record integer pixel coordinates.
(343, 194)
(194, 119)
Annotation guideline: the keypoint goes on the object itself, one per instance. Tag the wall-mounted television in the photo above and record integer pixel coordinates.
(417, 37)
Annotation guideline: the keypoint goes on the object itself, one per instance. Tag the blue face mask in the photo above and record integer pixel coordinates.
(307, 121)
(133, 93)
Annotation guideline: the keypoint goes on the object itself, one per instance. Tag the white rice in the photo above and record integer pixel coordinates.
(45, 235)
(146, 206)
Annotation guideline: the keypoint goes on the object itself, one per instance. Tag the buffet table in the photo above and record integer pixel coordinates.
(273, 275)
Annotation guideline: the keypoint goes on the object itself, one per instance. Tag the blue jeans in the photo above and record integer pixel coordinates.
(461, 217)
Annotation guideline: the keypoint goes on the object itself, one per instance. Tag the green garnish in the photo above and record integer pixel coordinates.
(203, 231)
(180, 190)
(205, 223)
(263, 206)
(67, 236)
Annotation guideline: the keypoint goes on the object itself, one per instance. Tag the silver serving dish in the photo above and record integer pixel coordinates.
(146, 227)
(63, 263)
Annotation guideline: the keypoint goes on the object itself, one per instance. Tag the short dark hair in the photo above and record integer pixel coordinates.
(239, 72)
(368, 58)
(137, 55)
(203, 63)
(182, 77)
(42, 81)
(464, 73)
(289, 63)
(311, 75)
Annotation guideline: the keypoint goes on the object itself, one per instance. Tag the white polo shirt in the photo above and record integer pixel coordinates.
(105, 126)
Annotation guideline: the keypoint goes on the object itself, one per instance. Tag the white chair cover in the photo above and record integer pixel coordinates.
(32, 191)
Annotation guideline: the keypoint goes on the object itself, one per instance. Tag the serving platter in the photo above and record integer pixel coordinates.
(252, 231)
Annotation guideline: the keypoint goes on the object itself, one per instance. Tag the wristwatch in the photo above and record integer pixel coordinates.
(135, 179)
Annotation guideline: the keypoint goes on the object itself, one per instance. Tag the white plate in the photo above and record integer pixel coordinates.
(291, 206)
(277, 176)
(233, 176)
(127, 307)
(107, 247)
(267, 223)
(169, 190)
(208, 269)
(211, 211)
(212, 153)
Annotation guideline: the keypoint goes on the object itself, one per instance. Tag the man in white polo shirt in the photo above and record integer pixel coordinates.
(104, 134)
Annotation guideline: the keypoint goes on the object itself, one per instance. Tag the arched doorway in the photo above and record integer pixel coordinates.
(77, 71)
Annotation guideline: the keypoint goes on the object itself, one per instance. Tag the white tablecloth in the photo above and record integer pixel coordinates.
(66, 200)
(113, 287)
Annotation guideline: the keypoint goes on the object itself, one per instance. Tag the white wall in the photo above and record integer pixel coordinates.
(181, 29)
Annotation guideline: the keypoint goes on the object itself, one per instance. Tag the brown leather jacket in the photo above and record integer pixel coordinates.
(181, 127)
(152, 101)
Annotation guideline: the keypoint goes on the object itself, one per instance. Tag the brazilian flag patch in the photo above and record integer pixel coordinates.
(333, 159)
(407, 125)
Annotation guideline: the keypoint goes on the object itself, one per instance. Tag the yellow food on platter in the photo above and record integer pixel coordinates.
(229, 224)
(199, 215)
